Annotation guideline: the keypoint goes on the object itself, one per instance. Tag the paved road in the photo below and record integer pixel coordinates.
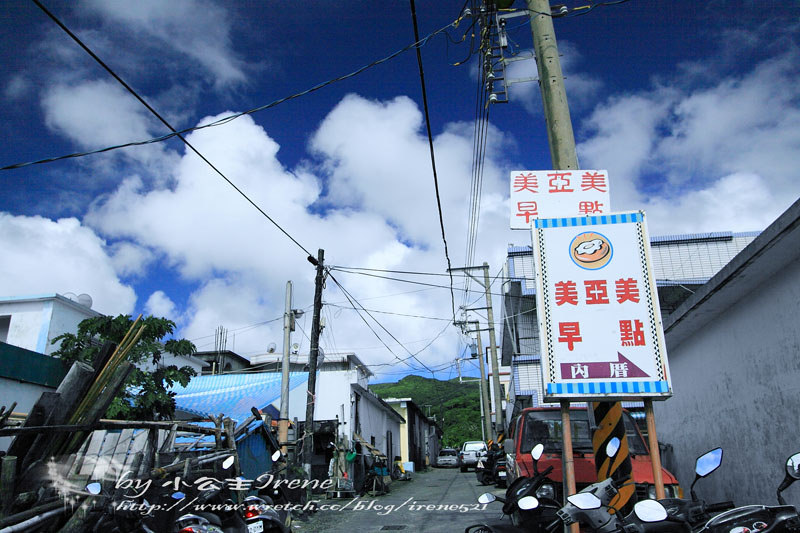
(443, 500)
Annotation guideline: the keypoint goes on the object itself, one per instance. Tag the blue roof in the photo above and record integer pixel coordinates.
(233, 395)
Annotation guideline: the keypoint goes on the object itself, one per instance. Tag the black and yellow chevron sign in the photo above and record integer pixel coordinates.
(608, 416)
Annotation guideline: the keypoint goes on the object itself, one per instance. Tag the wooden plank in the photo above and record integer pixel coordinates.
(90, 457)
(105, 455)
(8, 481)
(46, 404)
(122, 452)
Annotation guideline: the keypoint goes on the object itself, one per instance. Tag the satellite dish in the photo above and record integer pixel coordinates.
(272, 347)
(70, 296)
(295, 348)
(85, 300)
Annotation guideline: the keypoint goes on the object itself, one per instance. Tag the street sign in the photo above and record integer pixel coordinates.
(557, 193)
(597, 306)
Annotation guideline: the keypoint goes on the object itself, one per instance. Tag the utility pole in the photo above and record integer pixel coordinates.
(499, 418)
(551, 82)
(499, 414)
(484, 389)
(308, 443)
(283, 423)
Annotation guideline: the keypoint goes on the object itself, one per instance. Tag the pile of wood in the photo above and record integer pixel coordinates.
(64, 446)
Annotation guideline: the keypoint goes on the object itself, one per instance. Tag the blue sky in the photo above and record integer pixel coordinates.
(693, 108)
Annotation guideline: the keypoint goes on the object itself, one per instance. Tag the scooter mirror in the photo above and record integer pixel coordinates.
(228, 462)
(276, 456)
(486, 497)
(650, 511)
(537, 451)
(612, 447)
(527, 503)
(585, 500)
(708, 462)
(93, 488)
(793, 466)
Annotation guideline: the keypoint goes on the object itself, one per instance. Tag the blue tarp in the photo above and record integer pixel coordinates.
(234, 394)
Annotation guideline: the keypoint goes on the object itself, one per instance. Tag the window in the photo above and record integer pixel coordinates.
(5, 324)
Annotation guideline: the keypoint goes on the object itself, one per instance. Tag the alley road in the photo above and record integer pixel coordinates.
(440, 499)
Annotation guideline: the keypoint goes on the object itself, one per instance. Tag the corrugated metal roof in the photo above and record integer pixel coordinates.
(233, 394)
(687, 259)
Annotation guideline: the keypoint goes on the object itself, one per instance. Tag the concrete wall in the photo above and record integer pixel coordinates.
(37, 321)
(736, 384)
(25, 394)
(375, 422)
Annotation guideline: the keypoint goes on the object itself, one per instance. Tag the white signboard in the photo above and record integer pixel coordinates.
(553, 193)
(597, 305)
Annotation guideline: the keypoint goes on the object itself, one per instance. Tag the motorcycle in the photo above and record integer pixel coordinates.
(761, 518)
(491, 468)
(518, 504)
(694, 512)
(261, 517)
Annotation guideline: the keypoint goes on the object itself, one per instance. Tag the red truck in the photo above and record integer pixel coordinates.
(543, 424)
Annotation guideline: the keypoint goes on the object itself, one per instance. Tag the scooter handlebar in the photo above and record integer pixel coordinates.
(552, 525)
(719, 507)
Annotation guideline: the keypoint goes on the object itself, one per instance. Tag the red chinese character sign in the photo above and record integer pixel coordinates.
(551, 193)
(598, 309)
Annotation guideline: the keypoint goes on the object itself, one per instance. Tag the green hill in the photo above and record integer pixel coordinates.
(456, 406)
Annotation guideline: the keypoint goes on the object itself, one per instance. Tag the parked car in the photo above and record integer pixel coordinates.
(471, 451)
(447, 457)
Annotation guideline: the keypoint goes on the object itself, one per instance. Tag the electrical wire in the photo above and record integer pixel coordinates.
(229, 118)
(167, 124)
(433, 155)
(395, 314)
(354, 301)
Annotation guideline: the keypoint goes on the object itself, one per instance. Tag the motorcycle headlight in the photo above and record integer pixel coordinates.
(546, 491)
(651, 492)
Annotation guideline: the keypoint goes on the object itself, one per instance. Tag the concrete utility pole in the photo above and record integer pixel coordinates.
(562, 152)
(551, 81)
(283, 423)
(308, 443)
(484, 389)
(499, 413)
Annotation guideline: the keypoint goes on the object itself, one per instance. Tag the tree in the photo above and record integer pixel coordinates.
(145, 396)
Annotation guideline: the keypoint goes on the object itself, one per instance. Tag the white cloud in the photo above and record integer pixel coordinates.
(380, 213)
(97, 114)
(130, 259)
(197, 28)
(160, 305)
(42, 256)
(706, 158)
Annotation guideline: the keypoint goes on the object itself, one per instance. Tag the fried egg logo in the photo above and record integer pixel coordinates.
(591, 251)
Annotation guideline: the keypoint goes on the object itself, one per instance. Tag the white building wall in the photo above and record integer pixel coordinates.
(375, 422)
(35, 322)
(25, 394)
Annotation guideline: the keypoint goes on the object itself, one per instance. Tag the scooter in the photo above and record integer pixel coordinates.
(517, 502)
(761, 518)
(261, 516)
(695, 512)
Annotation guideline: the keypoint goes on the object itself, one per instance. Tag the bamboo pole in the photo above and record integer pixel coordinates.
(655, 453)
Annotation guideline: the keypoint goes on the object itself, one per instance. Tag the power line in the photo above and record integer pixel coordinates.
(395, 314)
(433, 156)
(352, 299)
(229, 118)
(167, 124)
